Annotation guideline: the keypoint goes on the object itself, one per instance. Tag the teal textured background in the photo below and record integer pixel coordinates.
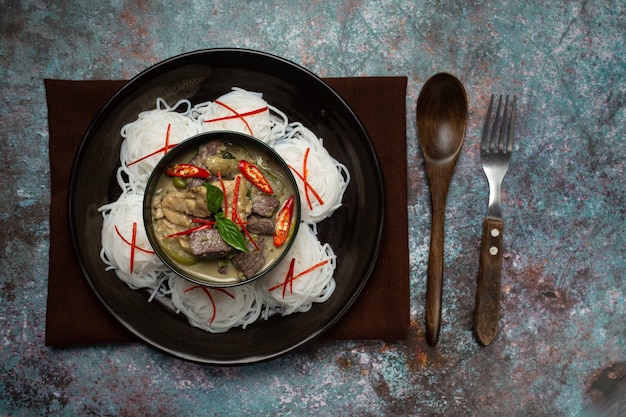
(561, 349)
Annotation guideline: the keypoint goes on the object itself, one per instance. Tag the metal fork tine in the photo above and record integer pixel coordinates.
(496, 123)
(504, 126)
(512, 126)
(484, 142)
(500, 136)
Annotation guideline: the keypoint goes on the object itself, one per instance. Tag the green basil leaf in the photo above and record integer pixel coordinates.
(214, 198)
(229, 231)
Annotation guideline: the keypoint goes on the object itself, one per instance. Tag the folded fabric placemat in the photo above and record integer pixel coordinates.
(74, 315)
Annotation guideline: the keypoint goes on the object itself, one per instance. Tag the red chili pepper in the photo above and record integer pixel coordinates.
(225, 201)
(290, 277)
(305, 175)
(208, 293)
(130, 243)
(187, 171)
(164, 149)
(235, 213)
(203, 225)
(255, 176)
(308, 186)
(283, 222)
(237, 115)
(133, 245)
(203, 221)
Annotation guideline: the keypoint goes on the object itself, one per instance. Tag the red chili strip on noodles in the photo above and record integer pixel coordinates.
(238, 115)
(164, 149)
(307, 185)
(293, 278)
(208, 293)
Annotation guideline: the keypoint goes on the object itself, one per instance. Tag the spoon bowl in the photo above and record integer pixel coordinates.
(441, 121)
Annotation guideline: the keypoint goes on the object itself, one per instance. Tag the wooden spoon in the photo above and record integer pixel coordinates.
(441, 121)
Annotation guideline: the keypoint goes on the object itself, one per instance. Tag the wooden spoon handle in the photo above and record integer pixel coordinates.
(434, 283)
(487, 312)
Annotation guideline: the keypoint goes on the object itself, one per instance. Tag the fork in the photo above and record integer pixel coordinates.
(495, 151)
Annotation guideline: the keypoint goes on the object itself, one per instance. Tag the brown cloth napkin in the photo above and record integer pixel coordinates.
(74, 314)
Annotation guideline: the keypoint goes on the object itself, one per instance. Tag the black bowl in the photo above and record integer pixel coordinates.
(182, 153)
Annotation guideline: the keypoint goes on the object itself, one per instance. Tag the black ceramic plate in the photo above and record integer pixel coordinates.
(353, 231)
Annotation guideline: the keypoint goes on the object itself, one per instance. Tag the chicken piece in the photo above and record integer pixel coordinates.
(179, 207)
(244, 205)
(173, 206)
(196, 202)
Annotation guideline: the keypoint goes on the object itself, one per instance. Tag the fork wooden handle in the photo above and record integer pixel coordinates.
(487, 311)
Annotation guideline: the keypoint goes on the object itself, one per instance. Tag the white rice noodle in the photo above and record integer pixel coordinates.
(215, 310)
(299, 294)
(116, 252)
(228, 112)
(145, 139)
(280, 123)
(325, 175)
